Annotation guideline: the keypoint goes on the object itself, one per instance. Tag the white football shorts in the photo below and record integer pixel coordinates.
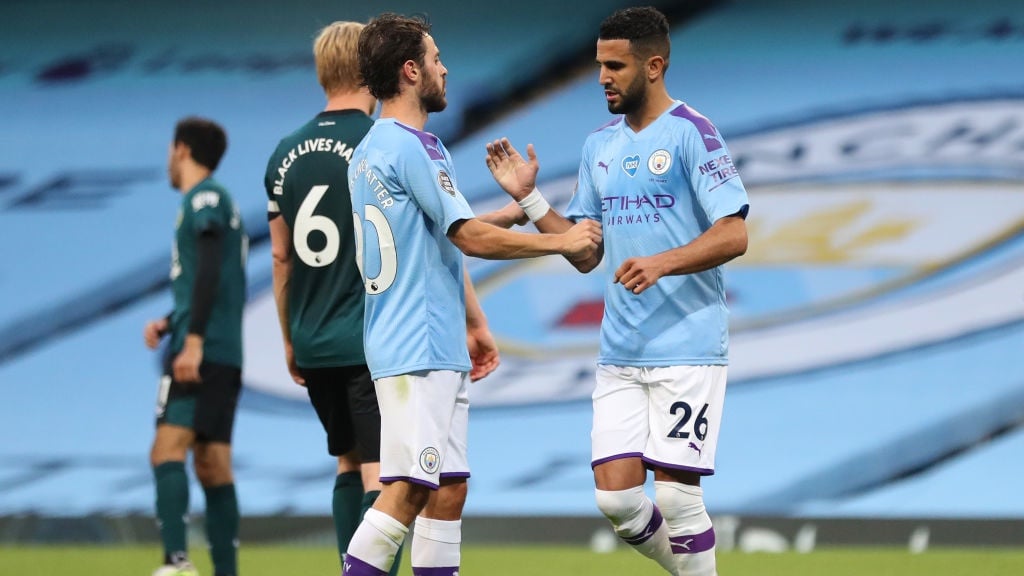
(424, 418)
(669, 416)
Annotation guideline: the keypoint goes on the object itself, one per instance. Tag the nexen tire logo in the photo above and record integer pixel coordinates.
(895, 188)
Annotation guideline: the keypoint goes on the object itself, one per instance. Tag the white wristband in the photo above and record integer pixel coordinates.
(535, 206)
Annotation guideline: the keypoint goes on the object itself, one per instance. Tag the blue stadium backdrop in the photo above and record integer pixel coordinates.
(878, 317)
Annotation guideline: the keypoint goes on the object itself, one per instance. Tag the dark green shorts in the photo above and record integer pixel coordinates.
(207, 407)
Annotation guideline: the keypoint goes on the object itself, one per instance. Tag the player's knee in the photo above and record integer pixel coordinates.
(678, 500)
(212, 465)
(349, 462)
(627, 510)
(447, 502)
(162, 452)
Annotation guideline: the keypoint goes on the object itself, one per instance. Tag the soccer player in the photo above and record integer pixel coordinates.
(660, 178)
(203, 372)
(318, 289)
(413, 227)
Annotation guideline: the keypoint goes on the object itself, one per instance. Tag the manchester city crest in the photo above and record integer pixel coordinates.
(430, 459)
(659, 162)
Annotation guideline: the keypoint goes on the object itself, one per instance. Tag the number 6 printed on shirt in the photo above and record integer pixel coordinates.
(307, 222)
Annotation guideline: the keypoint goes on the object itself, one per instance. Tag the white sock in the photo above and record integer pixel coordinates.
(374, 545)
(689, 528)
(638, 523)
(436, 547)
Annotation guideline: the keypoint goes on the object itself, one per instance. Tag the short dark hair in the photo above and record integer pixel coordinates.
(205, 138)
(385, 45)
(645, 27)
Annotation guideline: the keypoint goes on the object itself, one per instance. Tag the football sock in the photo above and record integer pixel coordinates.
(346, 507)
(638, 522)
(171, 508)
(689, 527)
(436, 547)
(222, 528)
(368, 499)
(374, 545)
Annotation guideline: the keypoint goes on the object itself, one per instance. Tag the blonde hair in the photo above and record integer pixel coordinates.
(337, 60)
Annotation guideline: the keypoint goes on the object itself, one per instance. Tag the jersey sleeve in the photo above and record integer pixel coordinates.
(585, 202)
(430, 180)
(209, 208)
(713, 176)
(269, 183)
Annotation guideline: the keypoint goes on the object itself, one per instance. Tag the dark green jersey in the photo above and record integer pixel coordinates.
(307, 184)
(206, 207)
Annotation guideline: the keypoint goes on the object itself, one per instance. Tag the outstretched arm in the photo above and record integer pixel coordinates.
(483, 240)
(507, 216)
(518, 178)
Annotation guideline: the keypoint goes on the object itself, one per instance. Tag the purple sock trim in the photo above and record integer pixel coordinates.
(441, 571)
(692, 544)
(356, 567)
(648, 530)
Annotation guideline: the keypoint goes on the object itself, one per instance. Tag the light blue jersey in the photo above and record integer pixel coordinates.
(654, 191)
(404, 199)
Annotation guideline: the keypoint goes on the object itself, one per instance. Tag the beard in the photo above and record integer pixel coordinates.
(174, 177)
(632, 99)
(433, 98)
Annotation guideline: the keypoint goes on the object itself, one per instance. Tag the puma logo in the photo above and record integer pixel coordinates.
(697, 448)
(601, 164)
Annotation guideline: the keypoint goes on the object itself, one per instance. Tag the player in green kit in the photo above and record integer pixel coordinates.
(317, 286)
(203, 375)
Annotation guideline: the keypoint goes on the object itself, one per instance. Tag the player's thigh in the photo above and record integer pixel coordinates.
(327, 389)
(216, 402)
(422, 426)
(686, 416)
(620, 426)
(176, 401)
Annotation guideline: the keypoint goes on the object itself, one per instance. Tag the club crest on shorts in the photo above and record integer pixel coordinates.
(430, 459)
(445, 182)
(659, 162)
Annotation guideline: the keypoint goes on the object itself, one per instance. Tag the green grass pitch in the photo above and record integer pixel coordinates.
(525, 560)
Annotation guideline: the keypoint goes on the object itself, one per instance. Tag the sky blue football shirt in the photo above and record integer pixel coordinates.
(654, 191)
(405, 197)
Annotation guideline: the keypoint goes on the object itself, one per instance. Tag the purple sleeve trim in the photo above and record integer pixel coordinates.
(430, 142)
(610, 123)
(708, 133)
(599, 461)
(655, 464)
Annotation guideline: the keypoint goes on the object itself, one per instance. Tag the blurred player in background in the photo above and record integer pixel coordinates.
(414, 226)
(203, 373)
(673, 208)
(317, 286)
